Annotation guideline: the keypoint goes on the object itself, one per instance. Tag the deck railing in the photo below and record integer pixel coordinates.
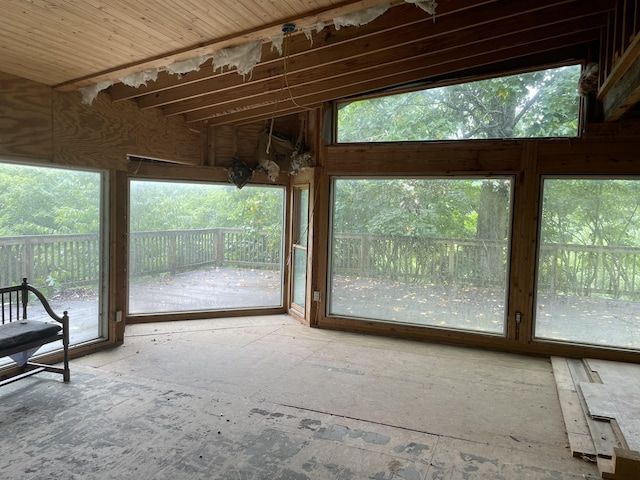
(48, 259)
(183, 250)
(73, 260)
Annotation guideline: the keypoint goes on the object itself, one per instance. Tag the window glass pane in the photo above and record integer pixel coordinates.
(299, 276)
(588, 279)
(303, 213)
(50, 233)
(421, 251)
(536, 104)
(196, 246)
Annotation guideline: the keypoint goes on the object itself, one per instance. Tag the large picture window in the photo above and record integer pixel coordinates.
(196, 246)
(588, 278)
(51, 232)
(429, 252)
(535, 104)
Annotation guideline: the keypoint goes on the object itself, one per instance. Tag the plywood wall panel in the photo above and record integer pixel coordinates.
(242, 140)
(104, 133)
(224, 142)
(38, 123)
(25, 118)
(247, 142)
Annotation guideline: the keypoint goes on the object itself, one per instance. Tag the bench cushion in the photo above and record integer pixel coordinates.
(15, 334)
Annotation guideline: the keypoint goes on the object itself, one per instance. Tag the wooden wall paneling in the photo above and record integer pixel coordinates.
(523, 247)
(625, 130)
(101, 135)
(210, 158)
(25, 121)
(310, 177)
(40, 123)
(287, 263)
(203, 127)
(437, 158)
(321, 209)
(224, 145)
(247, 142)
(242, 140)
(118, 253)
(588, 158)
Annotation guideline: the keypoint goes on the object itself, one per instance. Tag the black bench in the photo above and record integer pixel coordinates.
(20, 338)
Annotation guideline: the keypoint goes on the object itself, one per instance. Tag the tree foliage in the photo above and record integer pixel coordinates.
(536, 104)
(44, 201)
(418, 207)
(41, 201)
(594, 212)
(180, 206)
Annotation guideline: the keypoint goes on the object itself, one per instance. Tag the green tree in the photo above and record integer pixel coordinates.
(181, 206)
(536, 104)
(594, 213)
(41, 201)
(407, 207)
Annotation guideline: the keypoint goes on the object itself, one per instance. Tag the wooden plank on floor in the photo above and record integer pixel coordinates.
(575, 422)
(618, 397)
(602, 434)
(605, 467)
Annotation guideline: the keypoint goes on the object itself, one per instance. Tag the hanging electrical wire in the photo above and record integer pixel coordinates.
(287, 30)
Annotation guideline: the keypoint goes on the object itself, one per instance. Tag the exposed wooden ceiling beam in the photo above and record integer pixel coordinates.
(325, 50)
(403, 46)
(412, 71)
(360, 70)
(299, 44)
(264, 32)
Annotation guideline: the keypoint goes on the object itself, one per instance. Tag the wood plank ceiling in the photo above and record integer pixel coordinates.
(74, 43)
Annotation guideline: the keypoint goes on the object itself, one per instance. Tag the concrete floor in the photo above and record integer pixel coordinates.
(267, 398)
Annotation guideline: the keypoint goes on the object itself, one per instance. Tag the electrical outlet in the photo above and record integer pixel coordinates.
(317, 296)
(118, 316)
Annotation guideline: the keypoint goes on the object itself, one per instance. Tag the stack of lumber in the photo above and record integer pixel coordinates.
(600, 403)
